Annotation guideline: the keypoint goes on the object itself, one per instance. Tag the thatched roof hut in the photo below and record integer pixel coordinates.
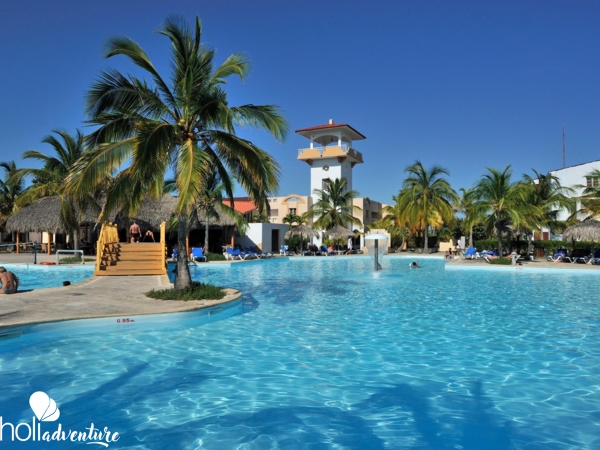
(224, 219)
(44, 215)
(151, 214)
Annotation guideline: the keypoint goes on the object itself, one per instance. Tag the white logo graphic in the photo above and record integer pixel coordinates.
(44, 407)
(45, 410)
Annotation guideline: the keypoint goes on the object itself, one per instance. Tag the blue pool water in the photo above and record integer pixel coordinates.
(40, 277)
(324, 356)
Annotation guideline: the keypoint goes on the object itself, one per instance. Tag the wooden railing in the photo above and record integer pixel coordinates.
(163, 242)
(108, 233)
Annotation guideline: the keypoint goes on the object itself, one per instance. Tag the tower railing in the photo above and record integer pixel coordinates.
(344, 147)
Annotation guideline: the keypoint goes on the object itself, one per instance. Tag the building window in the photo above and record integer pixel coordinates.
(592, 181)
(274, 212)
(292, 210)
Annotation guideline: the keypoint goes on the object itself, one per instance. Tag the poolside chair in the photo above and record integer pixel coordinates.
(579, 255)
(251, 253)
(285, 251)
(595, 258)
(233, 253)
(175, 254)
(197, 254)
(471, 253)
(325, 251)
(560, 255)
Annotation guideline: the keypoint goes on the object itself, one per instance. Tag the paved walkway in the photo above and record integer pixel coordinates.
(95, 297)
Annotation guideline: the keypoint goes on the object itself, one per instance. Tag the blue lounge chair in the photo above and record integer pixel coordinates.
(595, 259)
(234, 253)
(197, 254)
(325, 251)
(285, 251)
(471, 253)
(251, 253)
(560, 255)
(175, 253)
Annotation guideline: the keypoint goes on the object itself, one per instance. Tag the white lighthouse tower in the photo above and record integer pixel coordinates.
(330, 154)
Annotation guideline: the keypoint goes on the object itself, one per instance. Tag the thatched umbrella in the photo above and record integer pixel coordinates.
(588, 230)
(584, 231)
(301, 230)
(151, 214)
(338, 232)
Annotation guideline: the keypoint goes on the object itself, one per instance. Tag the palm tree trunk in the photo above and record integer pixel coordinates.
(183, 280)
(471, 237)
(76, 238)
(206, 235)
(499, 235)
(425, 239)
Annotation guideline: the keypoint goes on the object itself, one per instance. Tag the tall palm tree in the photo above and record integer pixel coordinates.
(334, 205)
(292, 219)
(50, 178)
(9, 191)
(589, 201)
(467, 205)
(395, 220)
(502, 201)
(185, 125)
(427, 197)
(546, 192)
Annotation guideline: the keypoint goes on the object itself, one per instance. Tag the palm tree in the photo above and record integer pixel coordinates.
(503, 202)
(8, 192)
(334, 205)
(467, 205)
(186, 126)
(546, 192)
(50, 179)
(292, 219)
(589, 200)
(427, 197)
(395, 220)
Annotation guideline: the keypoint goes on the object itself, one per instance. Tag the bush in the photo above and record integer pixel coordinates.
(198, 291)
(215, 257)
(75, 260)
(501, 261)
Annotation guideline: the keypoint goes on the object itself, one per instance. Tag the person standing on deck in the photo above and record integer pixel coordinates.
(135, 231)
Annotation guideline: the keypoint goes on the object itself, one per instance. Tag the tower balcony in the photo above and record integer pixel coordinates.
(342, 153)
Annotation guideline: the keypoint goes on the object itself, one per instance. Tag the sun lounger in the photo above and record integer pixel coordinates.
(325, 251)
(251, 253)
(560, 255)
(471, 253)
(197, 254)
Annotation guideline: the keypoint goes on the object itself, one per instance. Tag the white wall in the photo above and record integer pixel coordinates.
(259, 235)
(572, 176)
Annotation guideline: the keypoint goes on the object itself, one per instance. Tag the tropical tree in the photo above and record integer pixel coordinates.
(9, 191)
(546, 193)
(334, 205)
(50, 179)
(395, 221)
(503, 202)
(467, 205)
(186, 125)
(292, 219)
(589, 200)
(427, 198)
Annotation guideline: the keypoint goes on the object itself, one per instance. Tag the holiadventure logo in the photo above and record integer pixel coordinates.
(46, 410)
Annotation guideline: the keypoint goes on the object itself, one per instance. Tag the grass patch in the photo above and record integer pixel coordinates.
(215, 257)
(501, 261)
(198, 291)
(74, 259)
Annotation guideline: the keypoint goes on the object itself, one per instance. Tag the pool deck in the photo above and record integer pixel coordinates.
(92, 298)
(539, 263)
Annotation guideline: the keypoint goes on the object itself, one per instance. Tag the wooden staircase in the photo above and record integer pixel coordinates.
(143, 258)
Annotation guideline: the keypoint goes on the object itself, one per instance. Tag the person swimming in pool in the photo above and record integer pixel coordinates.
(9, 281)
(414, 264)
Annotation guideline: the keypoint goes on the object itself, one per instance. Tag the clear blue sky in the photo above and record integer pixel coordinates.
(465, 85)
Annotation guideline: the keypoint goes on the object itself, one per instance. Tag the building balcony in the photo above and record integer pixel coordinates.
(332, 151)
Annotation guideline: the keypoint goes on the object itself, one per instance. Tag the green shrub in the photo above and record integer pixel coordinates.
(74, 259)
(215, 257)
(501, 261)
(198, 291)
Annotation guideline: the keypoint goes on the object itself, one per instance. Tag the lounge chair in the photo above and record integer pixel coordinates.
(197, 254)
(285, 251)
(251, 253)
(579, 255)
(560, 255)
(471, 253)
(325, 251)
(595, 258)
(235, 253)
(175, 254)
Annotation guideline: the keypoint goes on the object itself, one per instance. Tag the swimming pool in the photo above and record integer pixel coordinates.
(41, 277)
(326, 356)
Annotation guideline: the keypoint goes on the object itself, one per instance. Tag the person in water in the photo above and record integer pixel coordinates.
(9, 281)
(414, 264)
